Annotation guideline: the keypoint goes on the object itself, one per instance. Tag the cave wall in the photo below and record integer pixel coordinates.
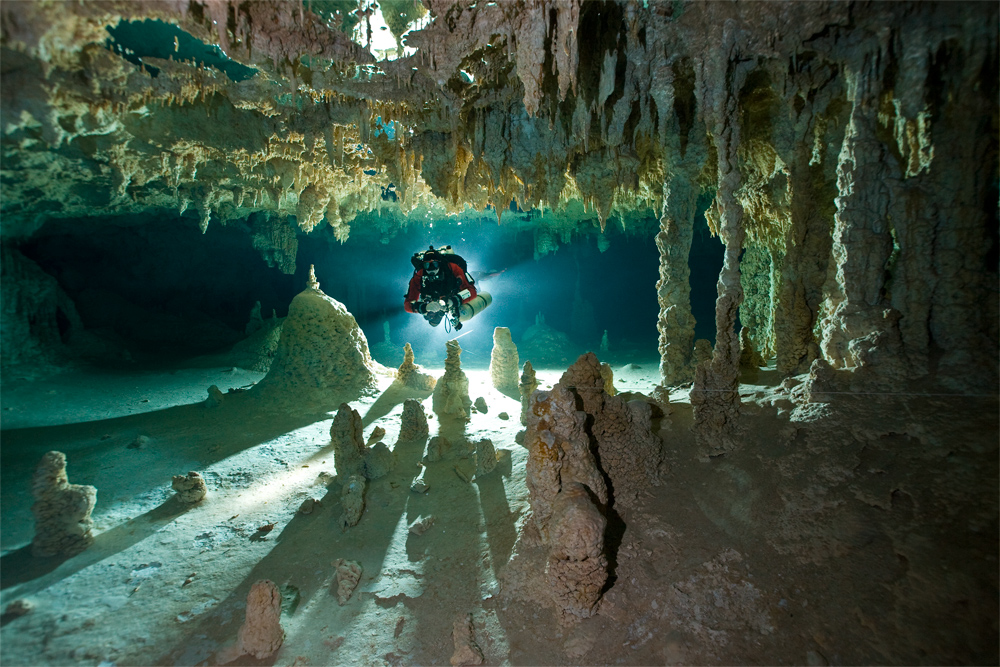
(850, 147)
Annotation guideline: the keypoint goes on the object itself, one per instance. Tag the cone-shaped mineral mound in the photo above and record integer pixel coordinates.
(322, 356)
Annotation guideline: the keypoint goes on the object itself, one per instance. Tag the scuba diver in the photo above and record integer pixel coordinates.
(442, 286)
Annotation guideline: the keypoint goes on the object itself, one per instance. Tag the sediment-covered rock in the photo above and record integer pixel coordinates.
(438, 448)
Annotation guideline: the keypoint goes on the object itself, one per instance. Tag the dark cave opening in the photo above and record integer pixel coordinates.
(705, 261)
(166, 290)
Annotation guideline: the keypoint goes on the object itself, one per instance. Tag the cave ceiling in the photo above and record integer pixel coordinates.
(557, 112)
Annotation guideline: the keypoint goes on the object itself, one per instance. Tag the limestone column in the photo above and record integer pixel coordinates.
(861, 330)
(803, 270)
(673, 289)
(715, 395)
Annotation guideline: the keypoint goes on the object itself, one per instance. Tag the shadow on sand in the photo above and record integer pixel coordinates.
(20, 567)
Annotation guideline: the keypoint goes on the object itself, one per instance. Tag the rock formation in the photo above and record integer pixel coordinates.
(347, 439)
(467, 652)
(18, 608)
(577, 567)
(558, 452)
(190, 488)
(378, 461)
(376, 435)
(215, 397)
(451, 394)
(322, 355)
(480, 405)
(409, 374)
(486, 457)
(61, 510)
(566, 477)
(438, 448)
(504, 362)
(261, 634)
(421, 525)
(347, 576)
(352, 501)
(413, 423)
(526, 388)
(630, 454)
(308, 505)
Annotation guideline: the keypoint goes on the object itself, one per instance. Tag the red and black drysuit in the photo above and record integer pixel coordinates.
(450, 284)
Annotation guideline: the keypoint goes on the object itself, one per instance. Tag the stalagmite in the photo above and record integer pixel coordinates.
(352, 501)
(526, 388)
(413, 423)
(715, 395)
(409, 374)
(348, 574)
(322, 354)
(451, 394)
(577, 567)
(629, 453)
(261, 634)
(347, 440)
(558, 452)
(190, 488)
(504, 362)
(486, 457)
(378, 461)
(61, 510)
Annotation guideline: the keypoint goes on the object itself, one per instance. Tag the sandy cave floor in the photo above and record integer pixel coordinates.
(862, 530)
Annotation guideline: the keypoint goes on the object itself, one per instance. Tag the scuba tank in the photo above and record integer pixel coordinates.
(474, 307)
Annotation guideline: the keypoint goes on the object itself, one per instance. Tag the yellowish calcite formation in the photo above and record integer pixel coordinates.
(62, 510)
